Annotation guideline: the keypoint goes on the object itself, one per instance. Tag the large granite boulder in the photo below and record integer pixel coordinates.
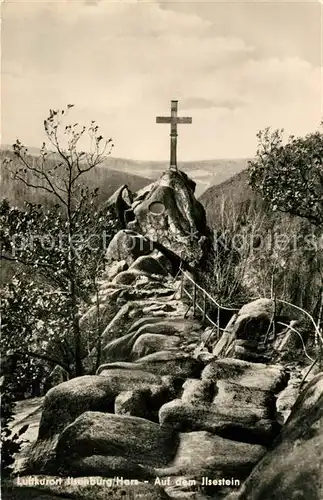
(174, 364)
(250, 333)
(149, 265)
(127, 246)
(202, 454)
(122, 348)
(136, 393)
(271, 378)
(149, 343)
(120, 204)
(154, 266)
(294, 467)
(243, 426)
(65, 402)
(233, 399)
(133, 438)
(169, 214)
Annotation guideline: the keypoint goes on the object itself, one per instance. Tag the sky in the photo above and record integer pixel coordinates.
(234, 66)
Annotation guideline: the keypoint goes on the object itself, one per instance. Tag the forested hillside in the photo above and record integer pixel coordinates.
(205, 173)
(271, 251)
(106, 179)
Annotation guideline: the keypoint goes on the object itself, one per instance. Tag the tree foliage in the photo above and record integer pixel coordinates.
(10, 442)
(37, 309)
(34, 317)
(290, 176)
(61, 248)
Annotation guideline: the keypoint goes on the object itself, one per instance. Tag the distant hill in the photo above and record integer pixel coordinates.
(234, 191)
(107, 179)
(205, 173)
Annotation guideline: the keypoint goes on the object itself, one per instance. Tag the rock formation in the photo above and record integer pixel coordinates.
(167, 212)
(172, 418)
(294, 467)
(258, 333)
(120, 203)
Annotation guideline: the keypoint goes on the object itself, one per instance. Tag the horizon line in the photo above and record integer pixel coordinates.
(4, 147)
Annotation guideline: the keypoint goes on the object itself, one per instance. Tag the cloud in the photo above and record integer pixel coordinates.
(202, 103)
(121, 63)
(277, 29)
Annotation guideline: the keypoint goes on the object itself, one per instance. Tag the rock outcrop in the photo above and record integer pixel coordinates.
(98, 433)
(127, 246)
(68, 400)
(166, 212)
(123, 348)
(250, 334)
(271, 378)
(294, 467)
(120, 204)
(162, 410)
(202, 454)
(172, 216)
(233, 399)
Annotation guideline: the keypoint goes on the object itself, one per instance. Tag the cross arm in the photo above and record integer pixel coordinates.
(168, 119)
(163, 119)
(184, 119)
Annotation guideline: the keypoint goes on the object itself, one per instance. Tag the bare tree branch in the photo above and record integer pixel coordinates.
(44, 357)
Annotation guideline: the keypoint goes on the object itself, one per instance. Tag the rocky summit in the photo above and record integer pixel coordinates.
(174, 410)
(167, 213)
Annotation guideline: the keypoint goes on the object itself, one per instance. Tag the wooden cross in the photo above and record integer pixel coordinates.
(173, 120)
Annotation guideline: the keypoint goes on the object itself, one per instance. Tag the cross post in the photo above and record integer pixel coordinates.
(174, 120)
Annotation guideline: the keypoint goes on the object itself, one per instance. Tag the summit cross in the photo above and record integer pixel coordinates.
(173, 120)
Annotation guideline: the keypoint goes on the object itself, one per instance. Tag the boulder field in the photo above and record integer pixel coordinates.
(175, 423)
(170, 412)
